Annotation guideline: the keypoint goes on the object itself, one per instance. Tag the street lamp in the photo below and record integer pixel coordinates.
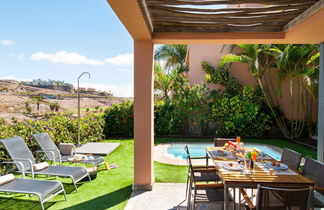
(79, 114)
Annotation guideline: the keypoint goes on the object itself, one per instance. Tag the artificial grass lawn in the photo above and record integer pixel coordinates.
(112, 188)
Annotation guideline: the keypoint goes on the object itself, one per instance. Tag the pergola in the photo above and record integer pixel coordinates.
(152, 22)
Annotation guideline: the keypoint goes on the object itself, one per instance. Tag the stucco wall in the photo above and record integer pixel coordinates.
(212, 54)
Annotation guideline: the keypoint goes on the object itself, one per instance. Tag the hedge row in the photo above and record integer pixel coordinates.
(60, 128)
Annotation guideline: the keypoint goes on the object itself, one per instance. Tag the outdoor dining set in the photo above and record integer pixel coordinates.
(235, 180)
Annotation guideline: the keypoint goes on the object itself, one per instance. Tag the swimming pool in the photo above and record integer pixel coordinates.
(177, 150)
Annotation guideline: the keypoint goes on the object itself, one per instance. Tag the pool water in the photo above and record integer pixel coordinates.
(177, 150)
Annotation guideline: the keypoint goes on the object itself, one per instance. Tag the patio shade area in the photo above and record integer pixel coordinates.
(221, 16)
(152, 22)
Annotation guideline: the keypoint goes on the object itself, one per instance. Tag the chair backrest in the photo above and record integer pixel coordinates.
(291, 158)
(17, 148)
(186, 148)
(314, 170)
(45, 142)
(190, 169)
(283, 198)
(219, 142)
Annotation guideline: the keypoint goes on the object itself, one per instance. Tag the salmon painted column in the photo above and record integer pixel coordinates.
(143, 115)
(320, 121)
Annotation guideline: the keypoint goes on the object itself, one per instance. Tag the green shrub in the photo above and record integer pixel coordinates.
(242, 114)
(166, 118)
(2, 121)
(239, 110)
(119, 120)
(60, 128)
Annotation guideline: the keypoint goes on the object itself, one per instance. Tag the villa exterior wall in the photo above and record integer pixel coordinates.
(212, 54)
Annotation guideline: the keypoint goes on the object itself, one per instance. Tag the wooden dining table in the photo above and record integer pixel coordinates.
(252, 178)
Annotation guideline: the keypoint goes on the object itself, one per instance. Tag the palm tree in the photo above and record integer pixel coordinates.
(162, 80)
(260, 59)
(174, 56)
(38, 100)
(297, 63)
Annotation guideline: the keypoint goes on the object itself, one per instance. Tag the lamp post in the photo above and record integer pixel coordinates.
(79, 114)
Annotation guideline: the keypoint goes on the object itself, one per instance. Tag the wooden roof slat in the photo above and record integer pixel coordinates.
(242, 14)
(304, 5)
(209, 2)
(177, 24)
(248, 20)
(172, 29)
(193, 15)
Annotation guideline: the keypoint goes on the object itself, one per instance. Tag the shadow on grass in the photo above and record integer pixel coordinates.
(69, 187)
(11, 203)
(20, 201)
(105, 201)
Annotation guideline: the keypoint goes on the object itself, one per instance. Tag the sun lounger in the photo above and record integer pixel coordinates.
(53, 154)
(25, 161)
(43, 189)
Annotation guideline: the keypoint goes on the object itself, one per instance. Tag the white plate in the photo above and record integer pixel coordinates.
(235, 167)
(282, 166)
(217, 153)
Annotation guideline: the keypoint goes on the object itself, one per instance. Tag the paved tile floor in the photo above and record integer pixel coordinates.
(168, 196)
(164, 196)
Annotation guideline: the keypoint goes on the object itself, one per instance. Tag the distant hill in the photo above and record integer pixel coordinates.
(14, 96)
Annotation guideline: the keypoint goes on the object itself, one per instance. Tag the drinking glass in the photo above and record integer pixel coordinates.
(247, 163)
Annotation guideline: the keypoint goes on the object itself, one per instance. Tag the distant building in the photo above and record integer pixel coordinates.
(91, 90)
(50, 84)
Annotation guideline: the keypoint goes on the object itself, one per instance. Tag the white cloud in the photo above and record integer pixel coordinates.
(72, 58)
(7, 42)
(65, 58)
(117, 90)
(121, 60)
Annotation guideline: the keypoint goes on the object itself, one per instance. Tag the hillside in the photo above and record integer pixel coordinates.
(13, 99)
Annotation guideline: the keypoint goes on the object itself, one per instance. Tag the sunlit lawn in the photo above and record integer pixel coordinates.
(111, 189)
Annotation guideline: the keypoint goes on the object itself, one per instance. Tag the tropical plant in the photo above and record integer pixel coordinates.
(297, 63)
(238, 110)
(38, 100)
(259, 59)
(28, 108)
(192, 106)
(163, 80)
(174, 56)
(54, 106)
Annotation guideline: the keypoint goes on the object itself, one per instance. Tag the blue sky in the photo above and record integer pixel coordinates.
(60, 39)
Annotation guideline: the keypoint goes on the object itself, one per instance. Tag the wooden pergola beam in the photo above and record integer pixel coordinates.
(222, 2)
(302, 17)
(183, 16)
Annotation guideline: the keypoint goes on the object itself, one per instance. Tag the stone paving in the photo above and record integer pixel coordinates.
(164, 196)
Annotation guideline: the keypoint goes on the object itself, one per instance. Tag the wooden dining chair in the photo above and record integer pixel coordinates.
(202, 173)
(291, 158)
(219, 142)
(269, 198)
(203, 192)
(314, 170)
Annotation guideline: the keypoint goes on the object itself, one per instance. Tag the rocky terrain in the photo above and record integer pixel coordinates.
(13, 98)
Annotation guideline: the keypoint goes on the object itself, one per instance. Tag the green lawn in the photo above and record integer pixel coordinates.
(112, 188)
